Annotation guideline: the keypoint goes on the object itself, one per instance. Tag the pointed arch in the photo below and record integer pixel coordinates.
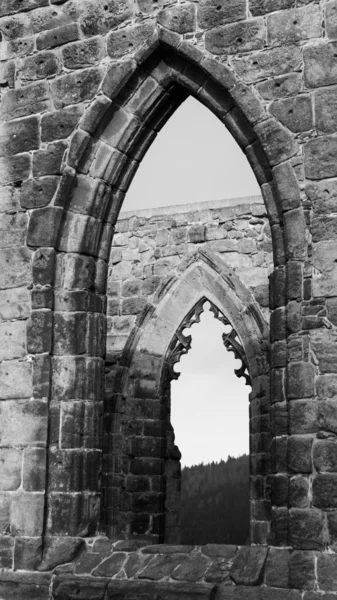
(146, 471)
(73, 235)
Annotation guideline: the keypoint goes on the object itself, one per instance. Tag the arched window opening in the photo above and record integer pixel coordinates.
(151, 253)
(209, 416)
(193, 159)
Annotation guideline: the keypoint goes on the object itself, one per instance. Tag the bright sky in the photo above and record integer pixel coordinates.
(195, 159)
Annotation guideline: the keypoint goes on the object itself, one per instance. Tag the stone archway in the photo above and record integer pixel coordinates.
(136, 101)
(69, 236)
(142, 477)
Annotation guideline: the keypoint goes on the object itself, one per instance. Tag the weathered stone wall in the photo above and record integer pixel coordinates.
(149, 244)
(85, 87)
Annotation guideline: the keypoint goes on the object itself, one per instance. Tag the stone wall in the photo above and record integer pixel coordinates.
(148, 245)
(85, 87)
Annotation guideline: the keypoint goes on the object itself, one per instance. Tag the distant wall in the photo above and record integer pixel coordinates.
(149, 244)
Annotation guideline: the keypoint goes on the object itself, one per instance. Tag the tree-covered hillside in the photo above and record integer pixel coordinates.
(215, 502)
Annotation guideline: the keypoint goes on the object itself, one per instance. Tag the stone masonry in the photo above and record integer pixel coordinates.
(163, 265)
(86, 85)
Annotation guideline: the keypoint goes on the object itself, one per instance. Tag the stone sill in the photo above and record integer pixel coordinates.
(108, 570)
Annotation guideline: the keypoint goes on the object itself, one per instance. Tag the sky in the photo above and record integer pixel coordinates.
(195, 159)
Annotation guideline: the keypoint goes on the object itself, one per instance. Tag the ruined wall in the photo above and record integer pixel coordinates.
(85, 88)
(149, 244)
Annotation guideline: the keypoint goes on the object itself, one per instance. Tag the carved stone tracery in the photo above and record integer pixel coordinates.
(181, 343)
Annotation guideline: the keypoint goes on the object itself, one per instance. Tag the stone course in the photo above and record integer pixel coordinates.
(86, 85)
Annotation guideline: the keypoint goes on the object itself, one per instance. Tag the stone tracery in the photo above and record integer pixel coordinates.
(181, 343)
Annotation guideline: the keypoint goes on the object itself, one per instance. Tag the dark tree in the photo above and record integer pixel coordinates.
(215, 502)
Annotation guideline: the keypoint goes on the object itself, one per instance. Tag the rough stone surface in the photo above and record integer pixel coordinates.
(268, 69)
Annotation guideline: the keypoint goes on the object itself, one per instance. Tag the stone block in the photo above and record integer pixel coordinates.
(98, 16)
(5, 510)
(10, 7)
(295, 113)
(39, 66)
(116, 77)
(48, 161)
(277, 324)
(146, 466)
(43, 226)
(287, 186)
(31, 99)
(306, 529)
(324, 228)
(320, 64)
(298, 492)
(12, 340)
(302, 570)
(14, 168)
(75, 272)
(291, 26)
(325, 455)
(121, 42)
(270, 62)
(303, 417)
(212, 14)
(299, 453)
(295, 234)
(192, 569)
(11, 468)
(236, 37)
(75, 324)
(111, 566)
(39, 332)
(27, 554)
(27, 514)
(16, 379)
(162, 566)
(326, 386)
(133, 305)
(261, 7)
(37, 193)
(276, 568)
(332, 527)
(83, 54)
(325, 348)
(248, 565)
(25, 423)
(294, 280)
(324, 490)
(300, 380)
(179, 19)
(34, 470)
(331, 308)
(326, 110)
(76, 87)
(327, 572)
(19, 136)
(277, 143)
(280, 87)
(60, 124)
(57, 36)
(6, 552)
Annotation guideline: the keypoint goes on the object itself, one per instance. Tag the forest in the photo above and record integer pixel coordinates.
(215, 502)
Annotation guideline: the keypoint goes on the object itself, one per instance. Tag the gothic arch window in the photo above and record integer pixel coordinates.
(146, 461)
